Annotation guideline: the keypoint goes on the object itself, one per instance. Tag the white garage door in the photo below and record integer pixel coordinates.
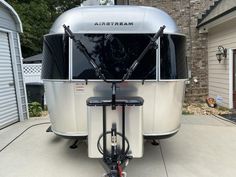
(8, 103)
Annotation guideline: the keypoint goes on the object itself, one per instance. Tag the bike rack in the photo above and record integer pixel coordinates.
(117, 157)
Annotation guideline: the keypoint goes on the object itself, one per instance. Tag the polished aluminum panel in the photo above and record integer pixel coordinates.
(68, 110)
(114, 19)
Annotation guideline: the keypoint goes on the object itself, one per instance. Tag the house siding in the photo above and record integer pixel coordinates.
(218, 73)
(7, 22)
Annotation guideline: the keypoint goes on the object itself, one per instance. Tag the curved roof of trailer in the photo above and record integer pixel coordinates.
(114, 19)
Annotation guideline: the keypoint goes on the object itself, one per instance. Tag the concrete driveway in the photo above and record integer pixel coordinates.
(204, 147)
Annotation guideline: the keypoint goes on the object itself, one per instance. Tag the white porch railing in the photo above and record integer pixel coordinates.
(32, 73)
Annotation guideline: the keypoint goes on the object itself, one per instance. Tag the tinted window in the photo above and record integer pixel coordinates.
(55, 57)
(114, 53)
(172, 58)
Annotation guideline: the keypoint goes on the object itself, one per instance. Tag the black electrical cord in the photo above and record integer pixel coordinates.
(109, 132)
(22, 134)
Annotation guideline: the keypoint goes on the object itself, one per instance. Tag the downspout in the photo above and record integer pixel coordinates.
(190, 41)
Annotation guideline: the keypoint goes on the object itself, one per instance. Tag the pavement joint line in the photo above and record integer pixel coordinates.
(162, 155)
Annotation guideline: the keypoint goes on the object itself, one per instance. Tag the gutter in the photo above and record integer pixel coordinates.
(216, 17)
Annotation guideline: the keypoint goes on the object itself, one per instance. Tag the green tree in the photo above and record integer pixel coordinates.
(37, 17)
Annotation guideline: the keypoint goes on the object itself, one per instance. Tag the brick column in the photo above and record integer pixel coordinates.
(185, 13)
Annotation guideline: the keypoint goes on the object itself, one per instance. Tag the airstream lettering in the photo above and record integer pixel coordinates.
(113, 23)
(115, 82)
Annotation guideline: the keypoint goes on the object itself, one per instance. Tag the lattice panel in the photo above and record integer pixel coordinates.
(32, 69)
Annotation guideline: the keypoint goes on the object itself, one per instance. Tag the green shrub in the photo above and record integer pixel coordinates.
(35, 109)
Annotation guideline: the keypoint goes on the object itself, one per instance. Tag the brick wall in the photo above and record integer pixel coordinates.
(186, 13)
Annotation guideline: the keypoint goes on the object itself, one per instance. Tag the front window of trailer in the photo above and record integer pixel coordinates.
(114, 53)
(55, 63)
(173, 63)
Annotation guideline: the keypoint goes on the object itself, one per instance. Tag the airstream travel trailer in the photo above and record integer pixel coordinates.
(115, 76)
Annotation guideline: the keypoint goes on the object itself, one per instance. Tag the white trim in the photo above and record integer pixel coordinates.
(21, 61)
(228, 17)
(70, 58)
(17, 18)
(15, 73)
(231, 77)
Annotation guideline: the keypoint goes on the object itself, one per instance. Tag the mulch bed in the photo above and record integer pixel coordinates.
(203, 109)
